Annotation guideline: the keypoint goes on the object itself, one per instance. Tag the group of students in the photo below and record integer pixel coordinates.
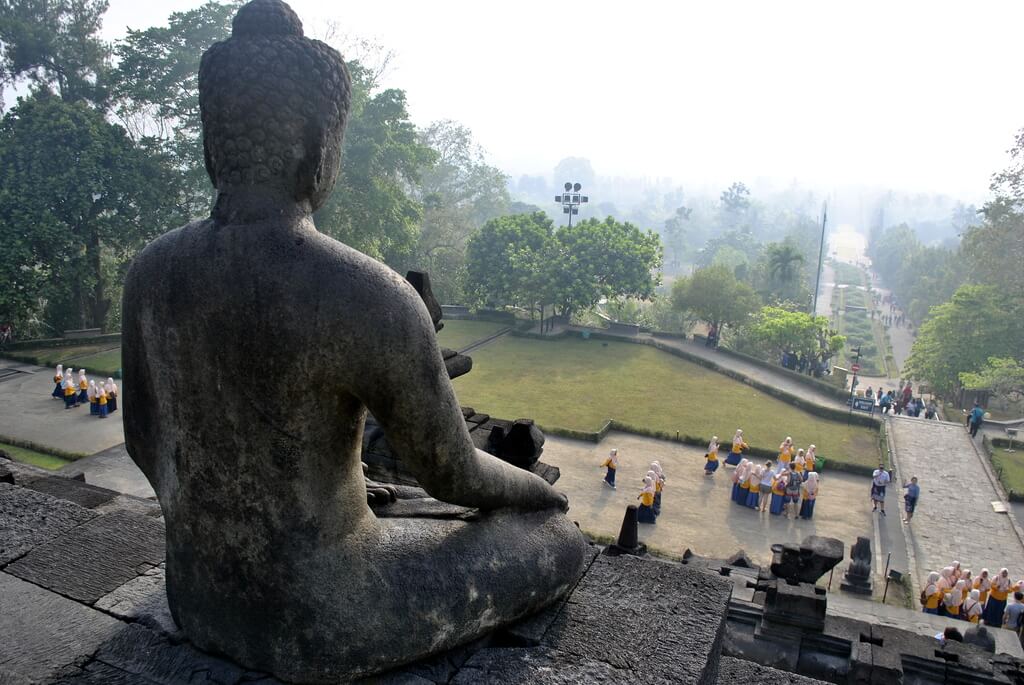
(954, 593)
(902, 401)
(101, 397)
(650, 495)
(789, 486)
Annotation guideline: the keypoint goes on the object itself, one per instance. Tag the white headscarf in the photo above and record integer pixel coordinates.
(81, 374)
(60, 370)
(111, 386)
(738, 438)
(811, 484)
(648, 485)
(1002, 581)
(933, 579)
(713, 445)
(809, 457)
(656, 467)
(740, 473)
(754, 476)
(92, 390)
(651, 475)
(956, 596)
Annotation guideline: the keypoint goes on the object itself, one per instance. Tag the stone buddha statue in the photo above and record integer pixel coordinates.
(253, 347)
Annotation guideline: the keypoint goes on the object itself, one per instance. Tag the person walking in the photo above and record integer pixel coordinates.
(793, 486)
(810, 495)
(977, 417)
(1013, 616)
(612, 464)
(645, 514)
(996, 604)
(738, 445)
(58, 379)
(879, 479)
(765, 487)
(711, 457)
(910, 498)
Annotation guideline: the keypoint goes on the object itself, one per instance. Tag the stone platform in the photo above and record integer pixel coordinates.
(82, 601)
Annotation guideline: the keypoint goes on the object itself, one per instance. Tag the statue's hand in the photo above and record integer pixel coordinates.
(379, 493)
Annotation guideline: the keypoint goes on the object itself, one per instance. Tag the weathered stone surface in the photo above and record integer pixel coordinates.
(96, 557)
(980, 636)
(143, 599)
(72, 490)
(732, 671)
(659, 619)
(42, 632)
(273, 555)
(540, 665)
(29, 518)
(808, 561)
(795, 604)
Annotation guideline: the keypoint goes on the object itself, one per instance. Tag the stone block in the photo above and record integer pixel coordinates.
(72, 490)
(96, 557)
(143, 599)
(29, 518)
(659, 619)
(42, 633)
(795, 604)
(733, 671)
(808, 561)
(540, 665)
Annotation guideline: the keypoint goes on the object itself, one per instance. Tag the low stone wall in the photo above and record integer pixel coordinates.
(112, 338)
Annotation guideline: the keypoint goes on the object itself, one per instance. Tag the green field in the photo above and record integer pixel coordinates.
(458, 334)
(579, 384)
(105, 363)
(46, 461)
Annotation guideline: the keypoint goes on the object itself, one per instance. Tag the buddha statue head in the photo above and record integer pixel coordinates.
(274, 105)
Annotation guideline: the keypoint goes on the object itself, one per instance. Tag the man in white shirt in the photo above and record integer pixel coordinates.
(879, 479)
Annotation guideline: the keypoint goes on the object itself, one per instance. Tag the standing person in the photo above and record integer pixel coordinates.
(778, 493)
(753, 485)
(1012, 617)
(972, 607)
(910, 498)
(931, 595)
(885, 403)
(954, 599)
(611, 463)
(659, 485)
(739, 479)
(983, 583)
(83, 387)
(879, 479)
(810, 495)
(711, 457)
(996, 604)
(869, 393)
(800, 463)
(101, 399)
(811, 458)
(111, 387)
(977, 418)
(645, 514)
(94, 407)
(765, 486)
(58, 380)
(931, 412)
(738, 445)
(786, 451)
(70, 389)
(794, 482)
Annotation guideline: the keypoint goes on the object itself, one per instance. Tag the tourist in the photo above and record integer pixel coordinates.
(910, 498)
(956, 570)
(983, 584)
(811, 458)
(786, 451)
(810, 495)
(969, 582)
(885, 403)
(954, 599)
(878, 397)
(111, 387)
(739, 478)
(972, 607)
(611, 463)
(794, 483)
(765, 486)
(94, 407)
(70, 389)
(753, 485)
(83, 387)
(1012, 618)
(102, 401)
(931, 412)
(977, 417)
(711, 457)
(931, 594)
(908, 393)
(799, 462)
(996, 604)
(879, 479)
(778, 493)
(659, 485)
(645, 514)
(58, 380)
(738, 445)
(869, 394)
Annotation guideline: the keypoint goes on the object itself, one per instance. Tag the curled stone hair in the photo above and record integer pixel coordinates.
(273, 105)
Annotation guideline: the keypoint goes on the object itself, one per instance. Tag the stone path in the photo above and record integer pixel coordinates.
(955, 519)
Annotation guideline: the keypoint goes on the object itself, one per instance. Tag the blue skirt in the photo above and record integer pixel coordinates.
(94, 408)
(83, 396)
(931, 611)
(69, 401)
(112, 403)
(103, 411)
(807, 509)
(645, 514)
(993, 613)
(711, 466)
(752, 497)
(733, 458)
(776, 505)
(58, 391)
(610, 477)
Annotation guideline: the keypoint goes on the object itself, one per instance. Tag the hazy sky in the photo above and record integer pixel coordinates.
(921, 96)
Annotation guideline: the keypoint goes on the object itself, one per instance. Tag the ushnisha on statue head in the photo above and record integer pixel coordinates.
(274, 106)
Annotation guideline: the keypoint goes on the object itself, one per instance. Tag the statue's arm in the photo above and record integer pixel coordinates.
(406, 387)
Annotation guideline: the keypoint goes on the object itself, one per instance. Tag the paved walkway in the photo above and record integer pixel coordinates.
(955, 519)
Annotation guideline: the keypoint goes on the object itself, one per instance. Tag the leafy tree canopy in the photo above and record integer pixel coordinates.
(714, 294)
(776, 330)
(1002, 375)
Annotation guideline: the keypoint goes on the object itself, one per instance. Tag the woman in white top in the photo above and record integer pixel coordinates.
(972, 607)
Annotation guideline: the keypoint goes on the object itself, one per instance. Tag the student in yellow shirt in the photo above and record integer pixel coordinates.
(799, 463)
(753, 485)
(102, 401)
(711, 457)
(58, 379)
(932, 594)
(738, 445)
(111, 387)
(645, 514)
(70, 389)
(983, 583)
(94, 404)
(659, 485)
(972, 607)
(83, 387)
(786, 450)
(996, 604)
(611, 463)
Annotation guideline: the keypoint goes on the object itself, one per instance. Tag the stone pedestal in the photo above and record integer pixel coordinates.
(857, 578)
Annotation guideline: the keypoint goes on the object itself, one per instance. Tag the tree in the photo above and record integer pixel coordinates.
(598, 260)
(714, 295)
(1003, 376)
(55, 43)
(77, 199)
(784, 260)
(734, 206)
(505, 259)
(960, 336)
(678, 238)
(776, 330)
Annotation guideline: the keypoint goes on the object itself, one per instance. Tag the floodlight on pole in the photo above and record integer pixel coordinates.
(571, 199)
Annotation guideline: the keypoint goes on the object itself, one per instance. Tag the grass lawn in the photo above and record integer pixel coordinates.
(458, 334)
(106, 362)
(46, 461)
(579, 384)
(59, 355)
(1010, 467)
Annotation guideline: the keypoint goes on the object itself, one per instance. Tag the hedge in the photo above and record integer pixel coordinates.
(62, 342)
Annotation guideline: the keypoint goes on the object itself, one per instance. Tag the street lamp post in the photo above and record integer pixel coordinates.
(571, 200)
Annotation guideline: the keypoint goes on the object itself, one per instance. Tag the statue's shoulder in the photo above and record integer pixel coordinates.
(169, 242)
